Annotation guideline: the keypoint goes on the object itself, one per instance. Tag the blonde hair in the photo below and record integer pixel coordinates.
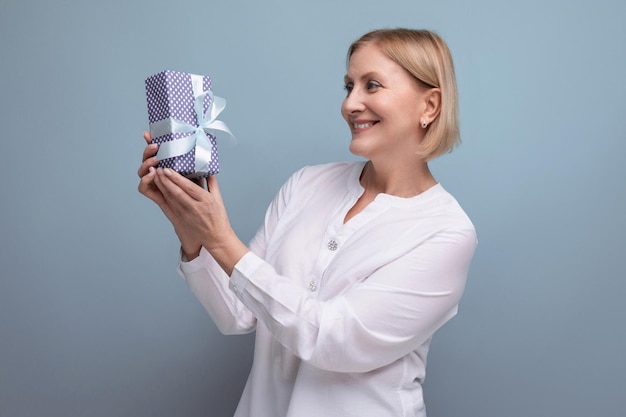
(425, 56)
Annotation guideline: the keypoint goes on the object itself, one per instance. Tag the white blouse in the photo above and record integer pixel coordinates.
(343, 313)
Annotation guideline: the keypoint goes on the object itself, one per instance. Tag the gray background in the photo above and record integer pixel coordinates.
(94, 320)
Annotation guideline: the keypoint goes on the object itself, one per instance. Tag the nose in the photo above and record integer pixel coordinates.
(353, 103)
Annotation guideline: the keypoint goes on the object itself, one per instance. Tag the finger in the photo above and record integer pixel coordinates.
(144, 168)
(187, 186)
(148, 188)
(147, 137)
(150, 150)
(171, 191)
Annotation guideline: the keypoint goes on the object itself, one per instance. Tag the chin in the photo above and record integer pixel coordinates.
(357, 148)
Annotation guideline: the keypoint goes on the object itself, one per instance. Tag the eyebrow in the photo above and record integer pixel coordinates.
(370, 74)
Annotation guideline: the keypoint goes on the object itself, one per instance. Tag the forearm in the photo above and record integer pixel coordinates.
(209, 284)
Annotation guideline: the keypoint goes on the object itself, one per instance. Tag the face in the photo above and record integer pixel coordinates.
(383, 107)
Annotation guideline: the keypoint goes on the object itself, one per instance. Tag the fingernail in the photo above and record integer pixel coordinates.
(167, 171)
(151, 170)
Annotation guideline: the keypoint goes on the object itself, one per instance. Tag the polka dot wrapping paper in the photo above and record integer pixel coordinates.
(170, 94)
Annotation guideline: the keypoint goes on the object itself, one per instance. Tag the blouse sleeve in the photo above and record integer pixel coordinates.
(209, 283)
(391, 313)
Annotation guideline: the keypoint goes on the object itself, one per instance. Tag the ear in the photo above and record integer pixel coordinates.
(432, 105)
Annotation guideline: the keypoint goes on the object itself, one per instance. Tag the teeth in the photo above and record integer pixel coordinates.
(362, 125)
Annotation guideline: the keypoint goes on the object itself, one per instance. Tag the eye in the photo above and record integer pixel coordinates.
(373, 85)
(348, 87)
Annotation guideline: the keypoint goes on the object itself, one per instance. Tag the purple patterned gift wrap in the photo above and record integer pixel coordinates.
(182, 113)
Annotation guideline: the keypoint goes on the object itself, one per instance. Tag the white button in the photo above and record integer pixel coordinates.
(332, 245)
(235, 288)
(312, 285)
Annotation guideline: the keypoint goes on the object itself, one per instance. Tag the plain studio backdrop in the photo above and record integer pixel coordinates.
(94, 320)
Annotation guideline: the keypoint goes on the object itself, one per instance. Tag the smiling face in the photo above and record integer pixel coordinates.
(384, 106)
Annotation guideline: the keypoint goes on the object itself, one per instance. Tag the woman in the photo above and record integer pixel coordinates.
(357, 263)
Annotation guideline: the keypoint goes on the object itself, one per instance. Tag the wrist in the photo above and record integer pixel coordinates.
(190, 253)
(227, 252)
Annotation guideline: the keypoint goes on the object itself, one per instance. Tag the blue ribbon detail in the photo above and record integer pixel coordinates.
(207, 123)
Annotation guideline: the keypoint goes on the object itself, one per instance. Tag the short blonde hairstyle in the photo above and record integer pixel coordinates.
(425, 56)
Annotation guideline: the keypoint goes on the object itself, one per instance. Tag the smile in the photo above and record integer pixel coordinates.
(363, 125)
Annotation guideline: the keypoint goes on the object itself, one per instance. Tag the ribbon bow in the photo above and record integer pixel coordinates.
(207, 123)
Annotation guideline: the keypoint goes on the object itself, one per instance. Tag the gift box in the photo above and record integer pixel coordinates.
(182, 112)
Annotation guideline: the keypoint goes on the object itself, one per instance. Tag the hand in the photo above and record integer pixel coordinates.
(198, 215)
(148, 187)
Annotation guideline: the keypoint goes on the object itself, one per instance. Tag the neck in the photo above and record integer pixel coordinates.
(404, 180)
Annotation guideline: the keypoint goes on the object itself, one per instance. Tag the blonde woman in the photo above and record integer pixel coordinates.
(357, 263)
